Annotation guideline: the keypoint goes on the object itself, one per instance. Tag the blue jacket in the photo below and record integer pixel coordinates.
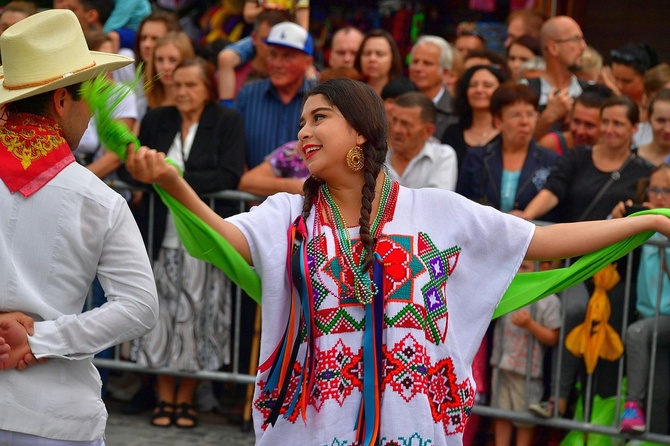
(480, 176)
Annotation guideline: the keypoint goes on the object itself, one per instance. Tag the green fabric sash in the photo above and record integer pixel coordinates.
(529, 287)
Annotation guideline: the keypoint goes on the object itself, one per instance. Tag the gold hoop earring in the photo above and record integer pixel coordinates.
(355, 159)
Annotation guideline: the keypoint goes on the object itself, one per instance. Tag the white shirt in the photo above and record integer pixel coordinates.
(178, 153)
(644, 134)
(545, 88)
(52, 245)
(436, 165)
(439, 95)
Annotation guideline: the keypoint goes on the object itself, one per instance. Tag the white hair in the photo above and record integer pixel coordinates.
(446, 53)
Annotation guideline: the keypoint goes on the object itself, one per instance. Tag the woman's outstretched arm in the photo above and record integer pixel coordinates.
(149, 166)
(575, 239)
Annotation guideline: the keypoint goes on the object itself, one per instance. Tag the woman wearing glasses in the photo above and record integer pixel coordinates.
(654, 265)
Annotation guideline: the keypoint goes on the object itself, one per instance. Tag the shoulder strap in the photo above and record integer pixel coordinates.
(614, 177)
(536, 85)
(562, 143)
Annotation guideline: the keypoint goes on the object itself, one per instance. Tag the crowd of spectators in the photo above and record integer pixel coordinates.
(550, 130)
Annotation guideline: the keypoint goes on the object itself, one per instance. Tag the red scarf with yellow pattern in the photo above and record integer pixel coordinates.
(33, 150)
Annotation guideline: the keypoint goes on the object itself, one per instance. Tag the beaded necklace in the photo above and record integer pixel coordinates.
(363, 288)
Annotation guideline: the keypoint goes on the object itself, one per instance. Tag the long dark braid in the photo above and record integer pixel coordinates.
(370, 174)
(311, 189)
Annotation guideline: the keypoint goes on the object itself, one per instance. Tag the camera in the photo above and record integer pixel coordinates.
(635, 208)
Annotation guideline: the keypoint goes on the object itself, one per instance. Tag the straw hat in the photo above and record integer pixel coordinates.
(47, 51)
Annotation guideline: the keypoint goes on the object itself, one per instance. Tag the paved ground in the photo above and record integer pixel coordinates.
(135, 430)
(127, 430)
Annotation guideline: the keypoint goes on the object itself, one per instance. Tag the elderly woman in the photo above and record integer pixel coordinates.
(508, 172)
(207, 141)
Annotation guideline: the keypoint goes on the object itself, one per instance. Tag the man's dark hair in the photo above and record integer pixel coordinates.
(398, 86)
(495, 58)
(416, 99)
(594, 96)
(40, 103)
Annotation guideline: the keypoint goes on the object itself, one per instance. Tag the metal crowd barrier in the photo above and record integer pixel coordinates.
(558, 422)
(240, 372)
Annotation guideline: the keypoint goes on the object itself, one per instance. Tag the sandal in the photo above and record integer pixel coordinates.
(185, 416)
(163, 410)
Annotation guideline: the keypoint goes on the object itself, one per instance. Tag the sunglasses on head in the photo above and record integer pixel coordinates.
(623, 57)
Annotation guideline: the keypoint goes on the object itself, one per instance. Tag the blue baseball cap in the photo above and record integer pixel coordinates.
(291, 35)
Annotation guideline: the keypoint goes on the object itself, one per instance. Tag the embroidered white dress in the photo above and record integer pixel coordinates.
(447, 262)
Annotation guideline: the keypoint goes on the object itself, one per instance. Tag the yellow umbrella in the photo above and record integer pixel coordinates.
(595, 337)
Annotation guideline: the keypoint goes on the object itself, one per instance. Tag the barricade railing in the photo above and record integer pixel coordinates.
(557, 421)
(238, 375)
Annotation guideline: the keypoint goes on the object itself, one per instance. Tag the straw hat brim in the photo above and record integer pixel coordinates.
(104, 62)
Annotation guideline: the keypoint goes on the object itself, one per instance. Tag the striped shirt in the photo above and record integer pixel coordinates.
(268, 122)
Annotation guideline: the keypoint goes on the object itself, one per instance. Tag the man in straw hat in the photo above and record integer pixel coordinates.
(60, 226)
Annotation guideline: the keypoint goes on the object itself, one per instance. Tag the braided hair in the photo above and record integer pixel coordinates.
(364, 110)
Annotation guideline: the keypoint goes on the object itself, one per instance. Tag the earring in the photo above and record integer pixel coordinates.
(355, 159)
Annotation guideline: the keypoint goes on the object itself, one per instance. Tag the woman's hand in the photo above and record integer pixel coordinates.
(519, 213)
(149, 166)
(620, 209)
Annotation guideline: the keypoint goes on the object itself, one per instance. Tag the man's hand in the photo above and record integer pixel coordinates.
(559, 104)
(14, 330)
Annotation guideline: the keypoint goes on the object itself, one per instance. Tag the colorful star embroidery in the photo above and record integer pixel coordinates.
(440, 265)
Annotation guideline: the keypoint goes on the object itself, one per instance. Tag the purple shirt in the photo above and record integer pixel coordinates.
(286, 162)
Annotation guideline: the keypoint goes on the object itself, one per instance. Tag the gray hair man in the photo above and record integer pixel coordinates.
(415, 159)
(431, 61)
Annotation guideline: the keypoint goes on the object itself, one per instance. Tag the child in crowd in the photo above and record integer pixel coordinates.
(532, 327)
(243, 50)
(639, 335)
(125, 19)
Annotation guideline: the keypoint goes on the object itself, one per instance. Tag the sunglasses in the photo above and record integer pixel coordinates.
(621, 57)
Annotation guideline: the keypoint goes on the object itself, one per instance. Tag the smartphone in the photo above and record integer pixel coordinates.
(635, 208)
